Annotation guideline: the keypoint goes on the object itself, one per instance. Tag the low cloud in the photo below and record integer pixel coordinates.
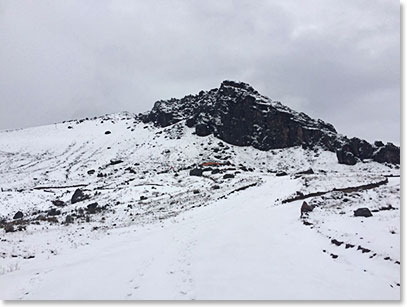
(335, 60)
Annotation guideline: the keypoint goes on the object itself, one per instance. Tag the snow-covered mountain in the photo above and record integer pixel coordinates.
(198, 199)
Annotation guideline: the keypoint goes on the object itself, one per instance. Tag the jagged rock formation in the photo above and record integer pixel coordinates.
(237, 114)
(356, 149)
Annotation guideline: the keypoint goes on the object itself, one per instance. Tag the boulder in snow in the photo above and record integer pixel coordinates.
(305, 208)
(196, 172)
(58, 203)
(18, 215)
(78, 196)
(365, 212)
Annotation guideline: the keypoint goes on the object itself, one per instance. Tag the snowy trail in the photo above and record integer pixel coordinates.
(242, 247)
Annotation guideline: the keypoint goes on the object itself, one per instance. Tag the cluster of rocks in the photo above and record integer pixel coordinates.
(237, 114)
(20, 220)
(354, 150)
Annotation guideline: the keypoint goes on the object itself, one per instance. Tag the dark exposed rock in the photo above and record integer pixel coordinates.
(78, 196)
(388, 207)
(91, 172)
(378, 144)
(355, 149)
(336, 242)
(142, 197)
(69, 219)
(280, 174)
(228, 176)
(215, 187)
(202, 130)
(58, 203)
(115, 161)
(237, 114)
(305, 208)
(92, 208)
(196, 172)
(18, 215)
(365, 212)
(53, 212)
(131, 170)
(345, 156)
(388, 153)
(9, 228)
(361, 148)
(364, 250)
(309, 171)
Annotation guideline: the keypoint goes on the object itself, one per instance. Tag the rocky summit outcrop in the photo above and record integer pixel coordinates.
(239, 115)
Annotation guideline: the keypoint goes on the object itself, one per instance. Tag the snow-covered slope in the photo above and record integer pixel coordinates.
(148, 229)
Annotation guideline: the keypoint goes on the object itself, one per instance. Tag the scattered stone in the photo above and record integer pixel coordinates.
(336, 242)
(91, 172)
(305, 208)
(129, 169)
(348, 245)
(196, 172)
(69, 219)
(108, 132)
(78, 196)
(92, 208)
(18, 215)
(58, 203)
(280, 174)
(114, 161)
(215, 187)
(53, 212)
(142, 197)
(365, 212)
(364, 250)
(388, 207)
(9, 228)
(334, 256)
(309, 171)
(196, 191)
(228, 176)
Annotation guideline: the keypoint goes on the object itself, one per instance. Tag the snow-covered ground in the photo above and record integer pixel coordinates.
(159, 233)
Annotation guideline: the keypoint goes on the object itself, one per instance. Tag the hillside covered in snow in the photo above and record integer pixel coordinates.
(200, 198)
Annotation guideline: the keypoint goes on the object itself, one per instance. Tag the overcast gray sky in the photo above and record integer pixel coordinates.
(335, 60)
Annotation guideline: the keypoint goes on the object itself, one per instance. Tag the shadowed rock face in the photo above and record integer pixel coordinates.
(237, 114)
